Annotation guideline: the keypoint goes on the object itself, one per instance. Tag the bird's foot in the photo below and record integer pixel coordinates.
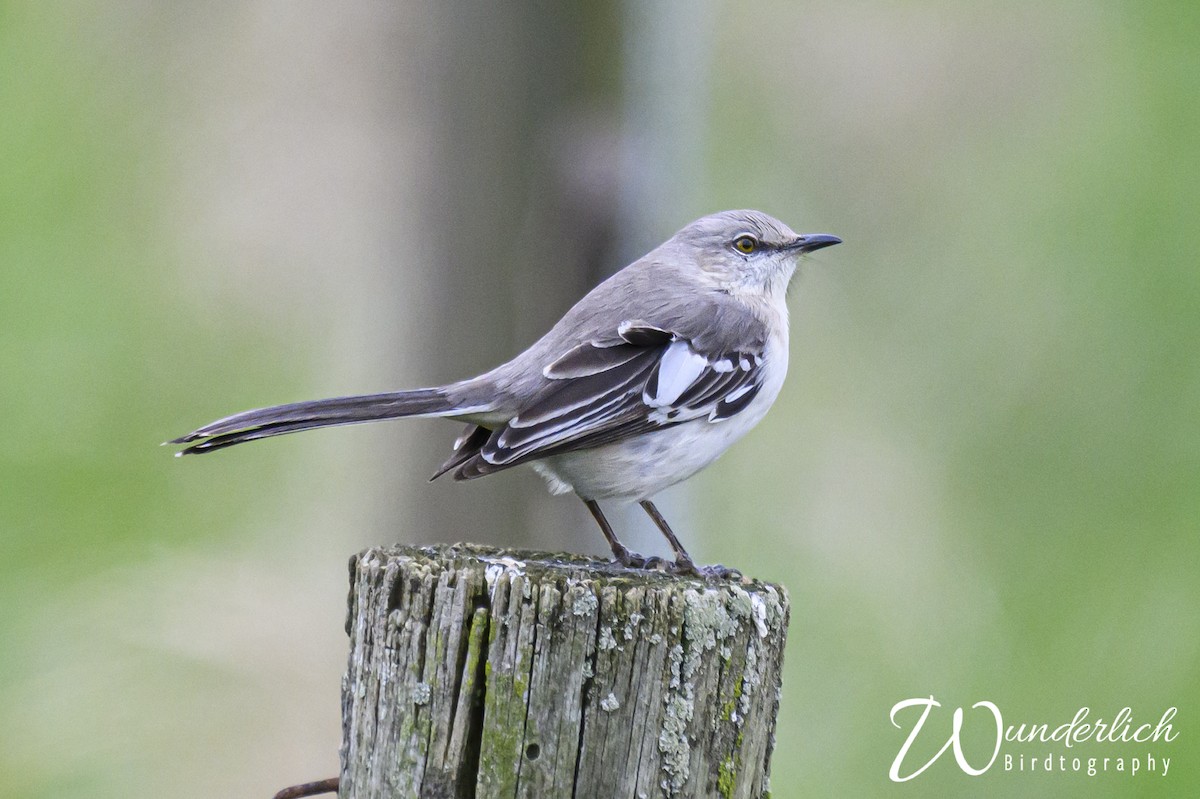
(714, 572)
(632, 560)
(682, 565)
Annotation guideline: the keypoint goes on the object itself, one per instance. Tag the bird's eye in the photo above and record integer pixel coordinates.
(745, 244)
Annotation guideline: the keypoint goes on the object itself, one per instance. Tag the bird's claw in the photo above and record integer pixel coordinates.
(713, 572)
(718, 572)
(632, 560)
(681, 565)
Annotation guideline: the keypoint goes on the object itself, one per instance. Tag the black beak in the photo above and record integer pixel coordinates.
(813, 241)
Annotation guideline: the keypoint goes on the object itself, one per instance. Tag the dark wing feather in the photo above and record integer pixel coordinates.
(590, 358)
(466, 446)
(603, 391)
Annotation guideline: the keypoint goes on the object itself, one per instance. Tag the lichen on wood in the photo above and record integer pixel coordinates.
(492, 673)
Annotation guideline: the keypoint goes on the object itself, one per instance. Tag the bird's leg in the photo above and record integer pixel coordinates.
(622, 553)
(683, 561)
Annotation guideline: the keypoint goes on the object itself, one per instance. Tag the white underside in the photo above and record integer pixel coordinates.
(642, 466)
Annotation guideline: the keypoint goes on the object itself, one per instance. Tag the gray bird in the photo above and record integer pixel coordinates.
(643, 383)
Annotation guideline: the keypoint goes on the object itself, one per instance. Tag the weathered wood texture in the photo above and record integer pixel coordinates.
(486, 673)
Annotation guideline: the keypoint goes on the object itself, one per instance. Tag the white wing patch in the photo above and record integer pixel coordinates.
(678, 369)
(738, 393)
(723, 366)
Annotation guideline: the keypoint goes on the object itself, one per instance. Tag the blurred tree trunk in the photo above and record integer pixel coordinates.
(563, 141)
(666, 51)
(518, 200)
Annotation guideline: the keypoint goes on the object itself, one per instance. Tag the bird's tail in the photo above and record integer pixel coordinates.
(281, 419)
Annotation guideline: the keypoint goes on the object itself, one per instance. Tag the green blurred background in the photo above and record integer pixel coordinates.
(982, 480)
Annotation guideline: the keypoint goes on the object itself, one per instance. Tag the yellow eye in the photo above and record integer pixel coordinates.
(745, 244)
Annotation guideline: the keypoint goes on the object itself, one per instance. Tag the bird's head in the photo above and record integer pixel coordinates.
(746, 251)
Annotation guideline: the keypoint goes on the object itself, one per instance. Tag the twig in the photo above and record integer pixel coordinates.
(309, 789)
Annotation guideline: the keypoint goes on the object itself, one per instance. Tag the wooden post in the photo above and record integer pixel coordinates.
(492, 673)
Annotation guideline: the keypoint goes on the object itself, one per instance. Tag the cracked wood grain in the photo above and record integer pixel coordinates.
(487, 673)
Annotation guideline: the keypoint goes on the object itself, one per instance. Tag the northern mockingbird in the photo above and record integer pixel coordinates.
(647, 380)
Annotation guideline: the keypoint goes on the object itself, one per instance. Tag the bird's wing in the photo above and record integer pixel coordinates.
(638, 379)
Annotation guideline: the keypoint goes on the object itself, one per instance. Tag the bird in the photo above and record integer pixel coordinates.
(645, 381)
